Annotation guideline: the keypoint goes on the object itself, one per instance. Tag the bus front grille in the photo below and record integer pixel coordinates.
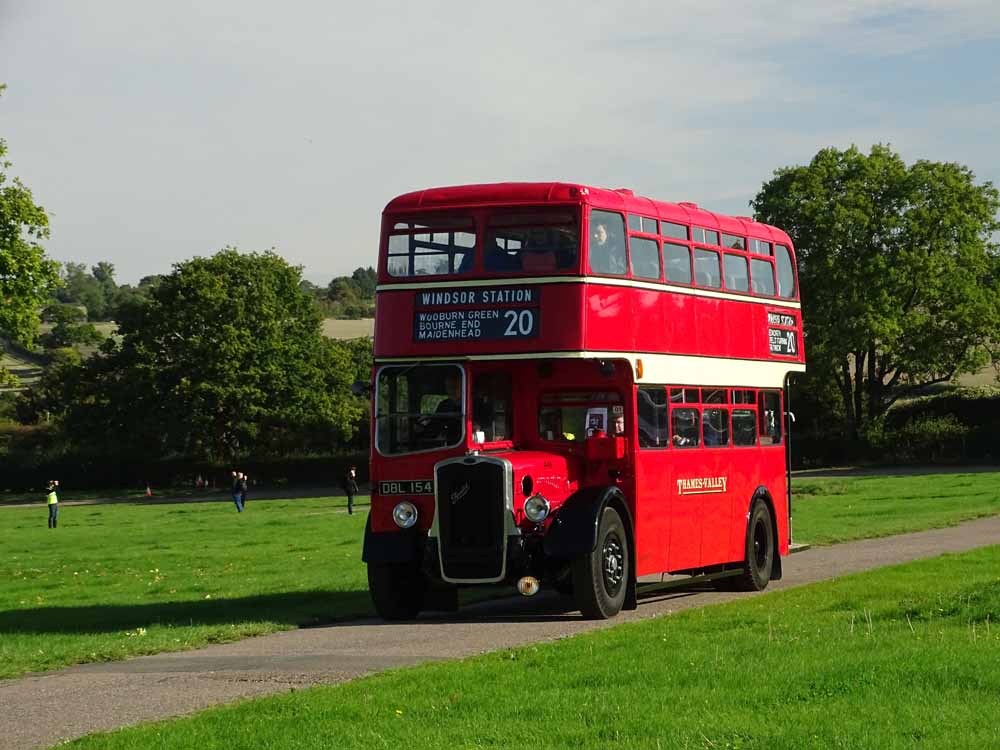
(471, 508)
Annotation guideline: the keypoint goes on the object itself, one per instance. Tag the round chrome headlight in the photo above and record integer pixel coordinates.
(536, 508)
(405, 514)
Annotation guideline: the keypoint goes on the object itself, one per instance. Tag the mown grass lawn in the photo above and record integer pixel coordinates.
(903, 657)
(825, 511)
(116, 580)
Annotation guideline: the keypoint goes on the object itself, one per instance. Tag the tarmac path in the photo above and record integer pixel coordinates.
(41, 710)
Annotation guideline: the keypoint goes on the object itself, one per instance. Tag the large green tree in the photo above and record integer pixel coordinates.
(900, 277)
(225, 359)
(27, 277)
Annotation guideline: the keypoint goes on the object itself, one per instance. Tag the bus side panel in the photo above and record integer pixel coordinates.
(676, 323)
(688, 509)
(724, 513)
(654, 507)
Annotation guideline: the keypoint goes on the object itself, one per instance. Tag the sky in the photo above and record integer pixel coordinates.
(156, 132)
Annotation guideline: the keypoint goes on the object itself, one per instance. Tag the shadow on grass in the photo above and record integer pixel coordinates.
(300, 608)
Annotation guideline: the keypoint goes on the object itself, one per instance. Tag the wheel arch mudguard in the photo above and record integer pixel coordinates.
(573, 531)
(762, 494)
(405, 545)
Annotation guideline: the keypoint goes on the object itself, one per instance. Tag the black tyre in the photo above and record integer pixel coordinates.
(397, 590)
(601, 577)
(760, 551)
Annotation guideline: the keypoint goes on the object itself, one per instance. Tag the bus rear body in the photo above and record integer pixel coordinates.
(577, 387)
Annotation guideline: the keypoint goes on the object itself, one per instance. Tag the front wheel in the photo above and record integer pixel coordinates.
(759, 550)
(397, 590)
(600, 577)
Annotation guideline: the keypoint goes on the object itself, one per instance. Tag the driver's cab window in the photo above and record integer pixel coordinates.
(418, 407)
(491, 408)
(574, 416)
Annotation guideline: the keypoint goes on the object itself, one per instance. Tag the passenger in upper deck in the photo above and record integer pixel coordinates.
(498, 259)
(607, 252)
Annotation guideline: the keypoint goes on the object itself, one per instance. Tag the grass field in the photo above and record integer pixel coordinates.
(836, 510)
(903, 657)
(115, 581)
(348, 329)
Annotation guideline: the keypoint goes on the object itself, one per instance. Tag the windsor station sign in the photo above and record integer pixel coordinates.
(476, 314)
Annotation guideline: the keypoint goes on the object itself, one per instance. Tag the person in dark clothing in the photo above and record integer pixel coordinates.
(351, 487)
(244, 484)
(238, 491)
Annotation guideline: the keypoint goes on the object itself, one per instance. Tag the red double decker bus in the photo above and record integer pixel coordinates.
(577, 388)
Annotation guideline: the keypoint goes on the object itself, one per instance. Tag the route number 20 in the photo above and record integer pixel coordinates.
(519, 322)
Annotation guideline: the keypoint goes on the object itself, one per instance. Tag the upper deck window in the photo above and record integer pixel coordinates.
(733, 242)
(431, 246)
(760, 247)
(706, 268)
(644, 224)
(762, 273)
(645, 256)
(705, 236)
(677, 262)
(737, 278)
(607, 243)
(677, 231)
(531, 241)
(786, 273)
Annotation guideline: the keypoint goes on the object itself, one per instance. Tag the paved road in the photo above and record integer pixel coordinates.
(44, 709)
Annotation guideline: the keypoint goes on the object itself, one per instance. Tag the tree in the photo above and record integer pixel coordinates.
(900, 279)
(83, 287)
(68, 327)
(27, 277)
(365, 280)
(225, 359)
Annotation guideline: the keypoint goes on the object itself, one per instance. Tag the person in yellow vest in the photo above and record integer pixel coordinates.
(53, 501)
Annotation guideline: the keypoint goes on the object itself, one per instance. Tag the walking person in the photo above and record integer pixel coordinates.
(236, 491)
(53, 503)
(244, 484)
(351, 487)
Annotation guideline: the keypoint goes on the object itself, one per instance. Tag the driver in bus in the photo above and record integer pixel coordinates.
(446, 423)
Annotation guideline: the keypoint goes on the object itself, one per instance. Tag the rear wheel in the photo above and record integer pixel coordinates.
(600, 577)
(397, 590)
(759, 550)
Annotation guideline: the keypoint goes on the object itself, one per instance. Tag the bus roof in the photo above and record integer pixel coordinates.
(535, 193)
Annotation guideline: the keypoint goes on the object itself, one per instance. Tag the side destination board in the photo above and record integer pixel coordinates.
(477, 314)
(783, 342)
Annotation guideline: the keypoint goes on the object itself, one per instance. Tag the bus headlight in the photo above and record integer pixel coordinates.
(405, 514)
(536, 508)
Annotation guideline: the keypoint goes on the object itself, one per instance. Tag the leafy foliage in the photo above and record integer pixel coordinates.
(900, 279)
(97, 292)
(27, 277)
(225, 359)
(68, 328)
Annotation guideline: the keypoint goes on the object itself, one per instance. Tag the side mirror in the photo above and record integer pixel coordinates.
(361, 388)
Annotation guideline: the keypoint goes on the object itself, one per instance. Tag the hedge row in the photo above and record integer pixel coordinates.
(956, 426)
(99, 472)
